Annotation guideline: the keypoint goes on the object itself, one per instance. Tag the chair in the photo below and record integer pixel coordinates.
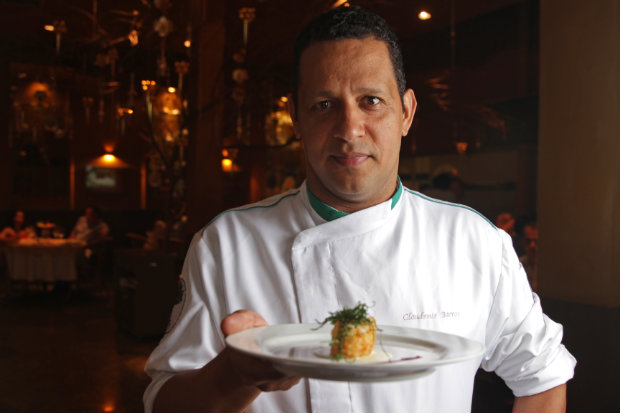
(93, 267)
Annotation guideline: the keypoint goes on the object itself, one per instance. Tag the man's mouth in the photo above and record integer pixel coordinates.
(350, 160)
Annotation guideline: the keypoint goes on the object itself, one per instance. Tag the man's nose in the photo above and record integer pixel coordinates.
(350, 123)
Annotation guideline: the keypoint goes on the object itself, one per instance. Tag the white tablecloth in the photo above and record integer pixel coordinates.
(43, 260)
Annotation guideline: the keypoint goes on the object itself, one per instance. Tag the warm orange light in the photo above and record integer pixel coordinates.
(171, 89)
(49, 27)
(108, 408)
(424, 15)
(284, 99)
(108, 161)
(146, 84)
(187, 43)
(225, 153)
(461, 147)
(339, 3)
(227, 165)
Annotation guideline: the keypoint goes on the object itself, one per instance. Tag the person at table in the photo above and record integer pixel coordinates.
(529, 241)
(18, 230)
(353, 233)
(90, 228)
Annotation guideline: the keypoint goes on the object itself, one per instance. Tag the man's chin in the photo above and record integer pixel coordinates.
(351, 194)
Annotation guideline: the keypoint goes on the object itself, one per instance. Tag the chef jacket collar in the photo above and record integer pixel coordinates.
(329, 213)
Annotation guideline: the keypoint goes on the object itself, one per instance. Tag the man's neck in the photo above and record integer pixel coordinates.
(347, 205)
(330, 212)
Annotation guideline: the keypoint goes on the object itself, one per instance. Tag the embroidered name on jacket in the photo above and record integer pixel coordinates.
(431, 316)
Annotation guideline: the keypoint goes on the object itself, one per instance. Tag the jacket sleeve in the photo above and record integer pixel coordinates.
(193, 336)
(524, 346)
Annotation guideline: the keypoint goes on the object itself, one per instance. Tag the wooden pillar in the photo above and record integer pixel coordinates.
(579, 152)
(204, 175)
(6, 184)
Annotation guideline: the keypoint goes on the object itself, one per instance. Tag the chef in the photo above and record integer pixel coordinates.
(353, 233)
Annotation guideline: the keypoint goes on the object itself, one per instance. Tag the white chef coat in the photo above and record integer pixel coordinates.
(419, 262)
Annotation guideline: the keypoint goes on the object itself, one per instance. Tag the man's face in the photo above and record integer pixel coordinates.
(91, 216)
(351, 120)
(18, 218)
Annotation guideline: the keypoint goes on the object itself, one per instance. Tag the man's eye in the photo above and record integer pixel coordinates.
(322, 105)
(373, 100)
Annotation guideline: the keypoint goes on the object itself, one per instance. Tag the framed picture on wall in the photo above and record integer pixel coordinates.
(103, 179)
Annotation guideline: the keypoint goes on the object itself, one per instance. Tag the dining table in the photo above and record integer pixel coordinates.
(43, 259)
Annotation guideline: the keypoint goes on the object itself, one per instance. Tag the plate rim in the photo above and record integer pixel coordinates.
(476, 349)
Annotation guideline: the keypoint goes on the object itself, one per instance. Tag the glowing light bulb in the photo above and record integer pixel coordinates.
(227, 165)
(424, 15)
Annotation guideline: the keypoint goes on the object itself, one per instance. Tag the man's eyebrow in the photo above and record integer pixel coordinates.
(371, 91)
(321, 94)
(361, 90)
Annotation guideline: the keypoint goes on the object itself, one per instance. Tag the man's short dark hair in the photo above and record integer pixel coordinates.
(96, 210)
(349, 22)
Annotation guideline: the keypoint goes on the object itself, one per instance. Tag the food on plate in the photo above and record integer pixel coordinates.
(354, 332)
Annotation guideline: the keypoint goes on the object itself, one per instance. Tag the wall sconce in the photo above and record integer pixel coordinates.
(59, 27)
(228, 163)
(247, 14)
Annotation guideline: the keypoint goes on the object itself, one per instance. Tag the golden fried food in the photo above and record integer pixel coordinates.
(350, 340)
(354, 333)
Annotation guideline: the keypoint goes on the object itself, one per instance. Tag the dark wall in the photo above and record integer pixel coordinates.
(592, 335)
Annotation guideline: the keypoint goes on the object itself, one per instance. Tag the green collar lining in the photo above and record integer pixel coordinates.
(329, 213)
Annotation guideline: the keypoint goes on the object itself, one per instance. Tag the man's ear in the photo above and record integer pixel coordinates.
(409, 106)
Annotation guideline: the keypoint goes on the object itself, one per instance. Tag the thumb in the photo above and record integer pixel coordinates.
(241, 320)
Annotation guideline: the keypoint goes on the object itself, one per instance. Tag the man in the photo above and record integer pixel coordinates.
(506, 221)
(90, 228)
(529, 241)
(352, 233)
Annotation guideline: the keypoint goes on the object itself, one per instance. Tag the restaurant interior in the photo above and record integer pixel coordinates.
(157, 115)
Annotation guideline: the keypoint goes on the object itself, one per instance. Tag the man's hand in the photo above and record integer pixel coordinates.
(229, 382)
(253, 371)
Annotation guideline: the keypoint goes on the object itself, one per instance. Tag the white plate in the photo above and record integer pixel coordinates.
(400, 353)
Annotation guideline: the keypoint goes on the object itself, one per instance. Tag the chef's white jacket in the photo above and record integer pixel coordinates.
(419, 262)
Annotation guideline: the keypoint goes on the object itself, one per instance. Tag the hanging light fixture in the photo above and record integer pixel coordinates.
(108, 160)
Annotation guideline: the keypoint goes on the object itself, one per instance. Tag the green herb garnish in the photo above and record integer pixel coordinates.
(356, 315)
(348, 318)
